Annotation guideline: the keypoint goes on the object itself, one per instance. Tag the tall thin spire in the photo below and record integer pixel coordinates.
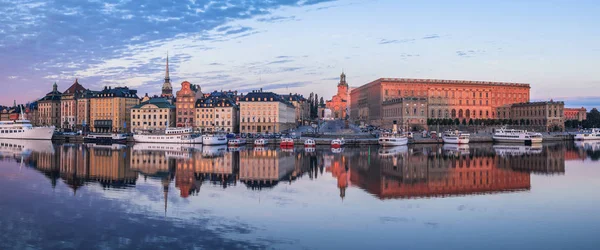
(167, 78)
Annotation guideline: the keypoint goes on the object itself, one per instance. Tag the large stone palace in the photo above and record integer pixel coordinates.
(452, 99)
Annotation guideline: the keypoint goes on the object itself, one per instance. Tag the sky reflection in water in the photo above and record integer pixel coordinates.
(147, 196)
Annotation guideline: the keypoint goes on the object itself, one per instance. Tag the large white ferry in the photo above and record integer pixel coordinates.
(517, 136)
(170, 135)
(214, 139)
(591, 134)
(455, 137)
(22, 129)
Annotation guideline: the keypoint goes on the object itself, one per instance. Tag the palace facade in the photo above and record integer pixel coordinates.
(266, 112)
(452, 99)
(577, 114)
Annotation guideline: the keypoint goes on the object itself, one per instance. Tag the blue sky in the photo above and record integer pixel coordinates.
(298, 45)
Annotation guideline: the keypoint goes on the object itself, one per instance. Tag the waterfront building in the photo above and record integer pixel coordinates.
(69, 106)
(576, 114)
(452, 99)
(167, 89)
(217, 112)
(547, 116)
(410, 113)
(84, 109)
(265, 112)
(154, 114)
(339, 103)
(185, 104)
(49, 108)
(302, 108)
(110, 109)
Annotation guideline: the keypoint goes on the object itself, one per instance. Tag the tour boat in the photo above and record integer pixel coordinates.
(237, 142)
(455, 137)
(170, 135)
(260, 142)
(592, 134)
(286, 142)
(105, 138)
(338, 143)
(22, 129)
(309, 143)
(517, 136)
(392, 139)
(214, 139)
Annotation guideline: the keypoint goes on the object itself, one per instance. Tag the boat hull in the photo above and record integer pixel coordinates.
(171, 139)
(214, 140)
(455, 140)
(392, 142)
(36, 133)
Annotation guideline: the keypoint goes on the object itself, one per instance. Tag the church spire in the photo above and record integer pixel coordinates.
(54, 87)
(167, 78)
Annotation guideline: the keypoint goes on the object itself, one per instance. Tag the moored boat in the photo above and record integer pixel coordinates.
(105, 138)
(517, 136)
(309, 143)
(338, 143)
(237, 142)
(455, 137)
(286, 143)
(392, 139)
(260, 142)
(214, 139)
(23, 130)
(169, 135)
(591, 134)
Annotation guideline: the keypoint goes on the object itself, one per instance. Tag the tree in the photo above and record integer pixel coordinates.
(470, 122)
(321, 102)
(464, 122)
(456, 121)
(593, 119)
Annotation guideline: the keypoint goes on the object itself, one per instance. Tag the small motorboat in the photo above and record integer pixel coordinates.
(310, 143)
(260, 142)
(338, 143)
(287, 143)
(237, 142)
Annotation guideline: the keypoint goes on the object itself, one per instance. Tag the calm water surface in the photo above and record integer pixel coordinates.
(148, 196)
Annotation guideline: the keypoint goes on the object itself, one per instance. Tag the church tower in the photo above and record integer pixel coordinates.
(343, 87)
(167, 89)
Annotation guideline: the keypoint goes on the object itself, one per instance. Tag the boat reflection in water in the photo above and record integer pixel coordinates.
(387, 173)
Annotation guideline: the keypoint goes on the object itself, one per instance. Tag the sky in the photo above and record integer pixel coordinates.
(298, 46)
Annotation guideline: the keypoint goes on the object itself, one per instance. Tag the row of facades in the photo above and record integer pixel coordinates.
(120, 109)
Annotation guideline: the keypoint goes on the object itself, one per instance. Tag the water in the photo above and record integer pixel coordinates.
(149, 196)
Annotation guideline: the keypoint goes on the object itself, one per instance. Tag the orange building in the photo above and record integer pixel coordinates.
(339, 102)
(185, 104)
(579, 114)
(453, 99)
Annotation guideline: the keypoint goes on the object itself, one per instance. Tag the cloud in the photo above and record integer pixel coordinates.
(279, 62)
(434, 36)
(215, 64)
(276, 19)
(469, 53)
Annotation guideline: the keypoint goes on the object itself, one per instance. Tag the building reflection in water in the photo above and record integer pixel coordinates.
(387, 173)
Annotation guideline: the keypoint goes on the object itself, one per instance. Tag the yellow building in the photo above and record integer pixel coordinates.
(111, 109)
(217, 112)
(266, 112)
(49, 108)
(156, 113)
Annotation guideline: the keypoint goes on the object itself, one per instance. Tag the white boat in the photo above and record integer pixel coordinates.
(338, 143)
(517, 136)
(23, 130)
(237, 142)
(455, 137)
(214, 139)
(392, 139)
(591, 134)
(171, 136)
(309, 143)
(105, 138)
(260, 142)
